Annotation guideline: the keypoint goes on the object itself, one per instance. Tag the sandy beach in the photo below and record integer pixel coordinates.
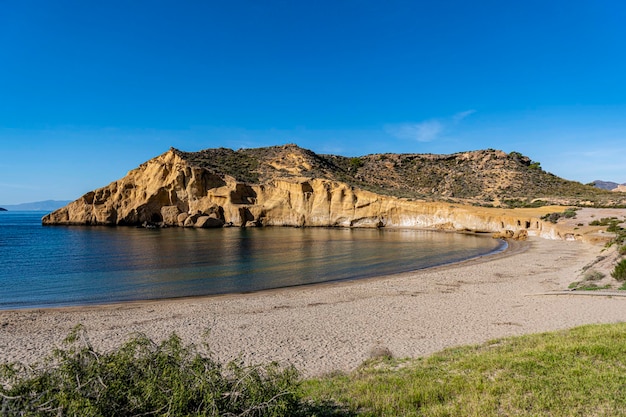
(335, 327)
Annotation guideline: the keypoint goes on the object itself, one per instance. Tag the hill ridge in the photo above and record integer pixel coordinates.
(483, 177)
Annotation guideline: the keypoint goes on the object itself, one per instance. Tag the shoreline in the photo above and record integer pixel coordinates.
(335, 326)
(503, 247)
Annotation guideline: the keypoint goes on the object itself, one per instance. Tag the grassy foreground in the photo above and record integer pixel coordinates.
(578, 372)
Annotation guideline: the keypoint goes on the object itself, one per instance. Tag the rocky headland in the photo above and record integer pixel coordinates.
(291, 186)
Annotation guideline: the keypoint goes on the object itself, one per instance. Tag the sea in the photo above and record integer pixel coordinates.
(56, 266)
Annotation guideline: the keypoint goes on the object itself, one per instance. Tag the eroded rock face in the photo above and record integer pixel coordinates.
(168, 191)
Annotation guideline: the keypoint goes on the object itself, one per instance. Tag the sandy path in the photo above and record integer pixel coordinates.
(334, 327)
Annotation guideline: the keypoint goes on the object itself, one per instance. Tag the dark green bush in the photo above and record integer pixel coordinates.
(356, 163)
(611, 222)
(619, 273)
(551, 217)
(614, 227)
(517, 203)
(147, 379)
(554, 217)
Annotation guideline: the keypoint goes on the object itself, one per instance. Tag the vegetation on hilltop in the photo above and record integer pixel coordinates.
(225, 161)
(485, 177)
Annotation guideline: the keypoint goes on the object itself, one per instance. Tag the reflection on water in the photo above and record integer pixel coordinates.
(53, 266)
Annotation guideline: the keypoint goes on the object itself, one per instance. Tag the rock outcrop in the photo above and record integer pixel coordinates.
(170, 191)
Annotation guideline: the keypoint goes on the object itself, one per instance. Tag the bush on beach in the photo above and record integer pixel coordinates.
(145, 378)
(554, 217)
(619, 273)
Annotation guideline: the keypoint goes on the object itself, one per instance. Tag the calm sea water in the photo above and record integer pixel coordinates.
(62, 266)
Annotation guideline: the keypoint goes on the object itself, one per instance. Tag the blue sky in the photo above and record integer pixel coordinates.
(89, 90)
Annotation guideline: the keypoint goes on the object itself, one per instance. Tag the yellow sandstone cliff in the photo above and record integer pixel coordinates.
(168, 191)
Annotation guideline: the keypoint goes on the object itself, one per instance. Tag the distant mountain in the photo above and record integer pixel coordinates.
(604, 185)
(48, 205)
(608, 185)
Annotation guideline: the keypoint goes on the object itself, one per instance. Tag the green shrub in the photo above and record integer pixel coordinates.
(554, 217)
(614, 227)
(148, 379)
(570, 213)
(619, 273)
(517, 203)
(551, 217)
(611, 222)
(356, 163)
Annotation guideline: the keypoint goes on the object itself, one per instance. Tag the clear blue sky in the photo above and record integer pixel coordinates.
(89, 90)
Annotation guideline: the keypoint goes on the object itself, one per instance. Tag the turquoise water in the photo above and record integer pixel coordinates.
(61, 266)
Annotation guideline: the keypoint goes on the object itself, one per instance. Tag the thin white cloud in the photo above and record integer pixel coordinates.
(425, 131)
(457, 118)
(428, 130)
